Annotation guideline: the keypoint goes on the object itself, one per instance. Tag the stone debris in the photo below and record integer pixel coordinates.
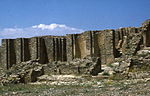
(88, 66)
(22, 73)
(32, 71)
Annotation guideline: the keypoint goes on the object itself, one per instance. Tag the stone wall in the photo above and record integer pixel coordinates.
(45, 49)
(91, 43)
(100, 44)
(105, 44)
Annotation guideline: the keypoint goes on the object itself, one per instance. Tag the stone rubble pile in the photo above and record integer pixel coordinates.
(87, 66)
(29, 71)
(22, 73)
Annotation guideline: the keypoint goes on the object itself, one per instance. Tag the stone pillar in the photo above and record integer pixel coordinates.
(33, 42)
(69, 47)
(8, 51)
(4, 51)
(91, 35)
(117, 37)
(78, 46)
(22, 50)
(104, 46)
(96, 46)
(74, 45)
(59, 49)
(38, 49)
(109, 46)
(42, 53)
(88, 38)
(56, 49)
(50, 49)
(64, 50)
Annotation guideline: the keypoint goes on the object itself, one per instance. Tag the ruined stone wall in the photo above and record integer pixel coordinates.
(45, 49)
(79, 45)
(61, 48)
(105, 44)
(128, 40)
(92, 43)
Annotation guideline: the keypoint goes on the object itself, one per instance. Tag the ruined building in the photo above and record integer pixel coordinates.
(105, 44)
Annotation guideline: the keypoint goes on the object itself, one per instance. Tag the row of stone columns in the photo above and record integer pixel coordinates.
(18, 50)
(59, 50)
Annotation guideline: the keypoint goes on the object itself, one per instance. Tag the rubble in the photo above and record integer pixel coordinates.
(29, 71)
(22, 73)
(88, 66)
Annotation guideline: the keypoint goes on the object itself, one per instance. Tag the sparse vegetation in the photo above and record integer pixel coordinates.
(110, 65)
(105, 74)
(89, 88)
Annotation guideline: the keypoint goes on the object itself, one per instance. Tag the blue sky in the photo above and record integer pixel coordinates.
(68, 16)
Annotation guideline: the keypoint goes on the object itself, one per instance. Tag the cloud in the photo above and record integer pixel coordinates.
(53, 26)
(38, 30)
(10, 31)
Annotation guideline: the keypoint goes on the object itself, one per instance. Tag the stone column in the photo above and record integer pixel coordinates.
(50, 49)
(8, 51)
(22, 50)
(69, 46)
(42, 53)
(64, 50)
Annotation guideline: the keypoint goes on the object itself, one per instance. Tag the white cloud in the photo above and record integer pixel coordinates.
(52, 26)
(11, 31)
(38, 30)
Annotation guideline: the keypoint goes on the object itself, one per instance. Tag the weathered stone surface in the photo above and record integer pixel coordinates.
(33, 74)
(133, 67)
(89, 66)
(22, 73)
(132, 42)
(29, 71)
(8, 51)
(22, 50)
